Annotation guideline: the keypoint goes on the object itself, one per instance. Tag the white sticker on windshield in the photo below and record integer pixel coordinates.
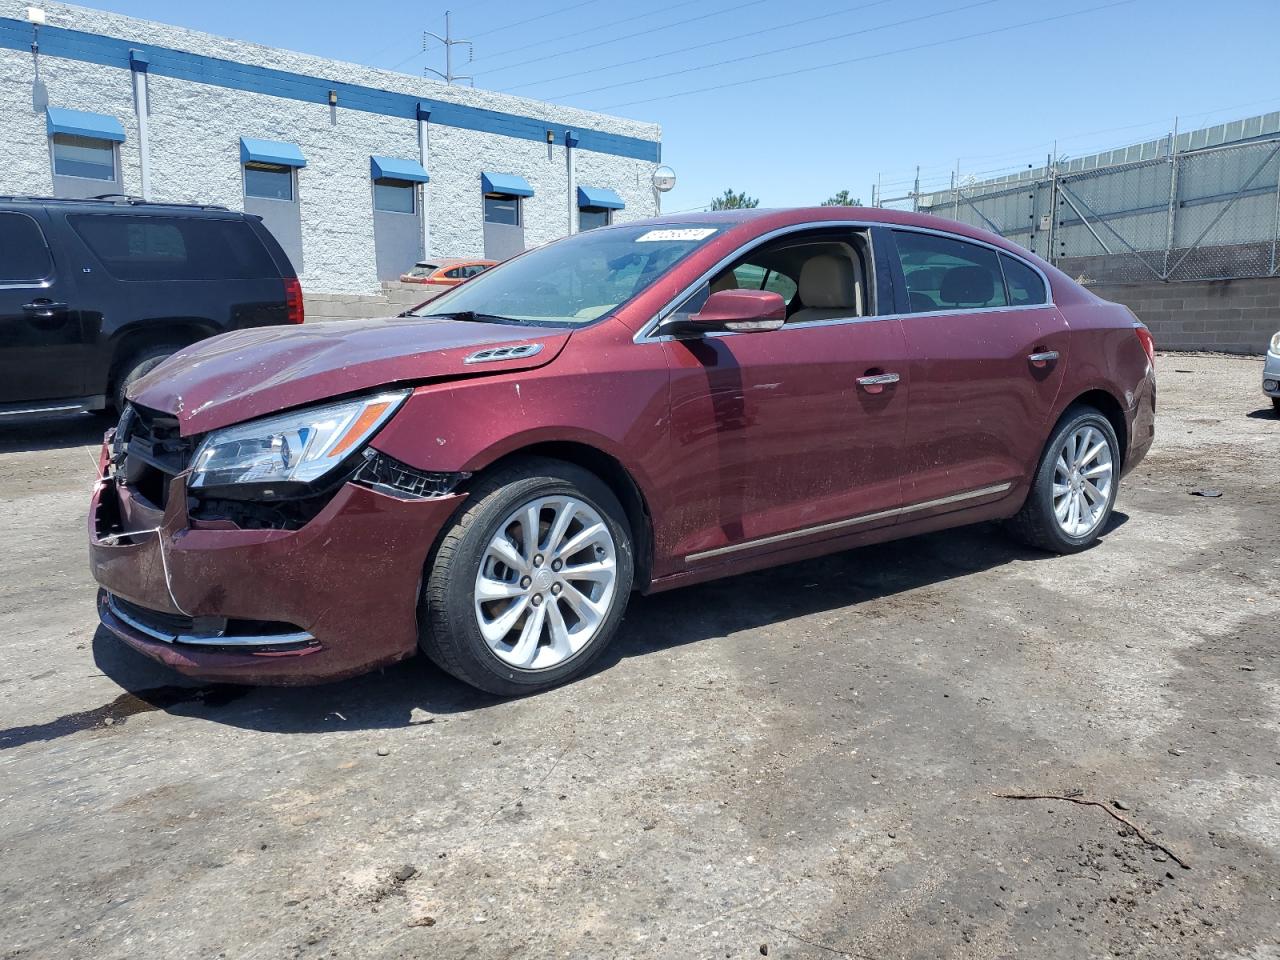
(687, 233)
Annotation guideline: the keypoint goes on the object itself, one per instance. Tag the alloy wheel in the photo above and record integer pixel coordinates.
(1083, 473)
(546, 582)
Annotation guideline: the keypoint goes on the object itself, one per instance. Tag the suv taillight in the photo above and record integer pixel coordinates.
(293, 312)
(1148, 342)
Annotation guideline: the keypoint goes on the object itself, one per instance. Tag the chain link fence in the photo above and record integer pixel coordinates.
(1202, 214)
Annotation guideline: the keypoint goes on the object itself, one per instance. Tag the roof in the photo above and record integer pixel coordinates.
(762, 220)
(115, 201)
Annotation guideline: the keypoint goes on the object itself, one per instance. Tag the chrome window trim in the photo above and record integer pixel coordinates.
(649, 332)
(27, 285)
(851, 522)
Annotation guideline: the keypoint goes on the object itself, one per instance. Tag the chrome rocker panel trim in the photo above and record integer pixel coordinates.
(851, 522)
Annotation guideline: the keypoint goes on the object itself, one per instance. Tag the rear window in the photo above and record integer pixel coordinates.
(174, 248)
(24, 256)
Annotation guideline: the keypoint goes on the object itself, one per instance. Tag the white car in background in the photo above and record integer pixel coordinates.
(1271, 372)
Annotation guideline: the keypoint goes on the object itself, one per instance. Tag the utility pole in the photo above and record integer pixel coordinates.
(449, 43)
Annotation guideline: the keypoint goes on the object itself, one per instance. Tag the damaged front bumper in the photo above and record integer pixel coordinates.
(333, 598)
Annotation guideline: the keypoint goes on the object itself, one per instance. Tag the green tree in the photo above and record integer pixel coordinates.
(842, 199)
(734, 201)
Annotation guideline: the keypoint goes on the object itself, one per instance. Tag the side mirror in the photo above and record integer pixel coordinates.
(738, 311)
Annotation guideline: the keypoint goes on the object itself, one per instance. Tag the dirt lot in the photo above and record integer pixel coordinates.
(799, 761)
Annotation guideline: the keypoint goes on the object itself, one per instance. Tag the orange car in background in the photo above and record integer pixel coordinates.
(445, 273)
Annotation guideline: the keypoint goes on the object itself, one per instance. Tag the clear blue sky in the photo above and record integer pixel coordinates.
(1100, 79)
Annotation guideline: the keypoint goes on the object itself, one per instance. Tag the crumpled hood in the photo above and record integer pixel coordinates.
(251, 373)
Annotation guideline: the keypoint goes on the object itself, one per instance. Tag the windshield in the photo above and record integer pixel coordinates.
(576, 280)
(423, 269)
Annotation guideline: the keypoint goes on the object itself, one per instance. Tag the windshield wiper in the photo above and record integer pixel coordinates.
(470, 316)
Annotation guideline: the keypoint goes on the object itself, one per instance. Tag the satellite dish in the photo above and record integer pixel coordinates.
(664, 178)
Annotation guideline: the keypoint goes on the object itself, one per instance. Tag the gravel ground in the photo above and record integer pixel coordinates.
(800, 762)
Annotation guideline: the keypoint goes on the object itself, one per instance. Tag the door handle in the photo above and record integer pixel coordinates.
(44, 309)
(875, 383)
(878, 379)
(1042, 357)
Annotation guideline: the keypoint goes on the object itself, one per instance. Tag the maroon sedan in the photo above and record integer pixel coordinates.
(637, 407)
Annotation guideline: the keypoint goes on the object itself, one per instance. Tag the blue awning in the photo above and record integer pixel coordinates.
(393, 168)
(508, 183)
(271, 151)
(599, 197)
(79, 123)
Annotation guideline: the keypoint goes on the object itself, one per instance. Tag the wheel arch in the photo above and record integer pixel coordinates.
(615, 476)
(144, 334)
(1110, 407)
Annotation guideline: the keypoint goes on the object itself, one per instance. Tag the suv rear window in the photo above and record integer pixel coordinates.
(174, 248)
(24, 255)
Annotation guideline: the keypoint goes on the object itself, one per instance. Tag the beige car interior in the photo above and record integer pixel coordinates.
(829, 275)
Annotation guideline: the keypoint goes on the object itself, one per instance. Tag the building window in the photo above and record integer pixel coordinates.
(394, 196)
(502, 208)
(268, 181)
(591, 217)
(87, 158)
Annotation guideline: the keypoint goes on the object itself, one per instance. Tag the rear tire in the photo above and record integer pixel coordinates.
(134, 367)
(529, 636)
(1275, 403)
(1070, 501)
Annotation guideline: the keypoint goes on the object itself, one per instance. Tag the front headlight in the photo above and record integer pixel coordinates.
(278, 455)
(1275, 343)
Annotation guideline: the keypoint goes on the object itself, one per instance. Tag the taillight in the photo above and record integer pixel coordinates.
(1148, 342)
(293, 312)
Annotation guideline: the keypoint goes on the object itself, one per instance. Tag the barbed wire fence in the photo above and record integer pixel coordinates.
(1169, 214)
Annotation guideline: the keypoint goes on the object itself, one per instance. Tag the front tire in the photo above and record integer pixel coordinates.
(530, 582)
(1075, 485)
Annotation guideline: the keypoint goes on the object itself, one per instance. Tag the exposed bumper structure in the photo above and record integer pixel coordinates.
(335, 598)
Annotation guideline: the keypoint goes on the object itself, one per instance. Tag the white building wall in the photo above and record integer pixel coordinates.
(195, 132)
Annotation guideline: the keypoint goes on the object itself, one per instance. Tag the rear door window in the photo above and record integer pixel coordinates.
(946, 274)
(24, 255)
(1025, 286)
(132, 247)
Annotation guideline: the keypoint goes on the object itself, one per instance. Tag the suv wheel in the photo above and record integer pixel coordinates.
(134, 367)
(1074, 487)
(529, 584)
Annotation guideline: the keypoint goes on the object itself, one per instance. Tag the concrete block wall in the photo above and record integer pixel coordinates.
(1228, 316)
(393, 298)
(195, 130)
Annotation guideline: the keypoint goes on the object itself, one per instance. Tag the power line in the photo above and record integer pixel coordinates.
(629, 36)
(1195, 121)
(873, 56)
(777, 50)
(697, 46)
(648, 14)
(541, 16)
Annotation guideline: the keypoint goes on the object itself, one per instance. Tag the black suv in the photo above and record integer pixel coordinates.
(94, 293)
